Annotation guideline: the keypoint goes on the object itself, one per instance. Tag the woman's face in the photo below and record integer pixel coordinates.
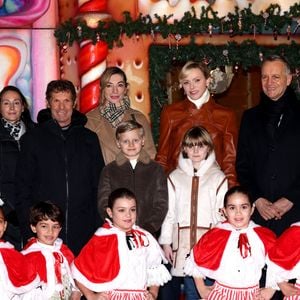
(115, 89)
(11, 106)
(194, 84)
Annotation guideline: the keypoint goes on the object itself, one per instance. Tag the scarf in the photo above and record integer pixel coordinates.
(114, 114)
(15, 130)
(274, 112)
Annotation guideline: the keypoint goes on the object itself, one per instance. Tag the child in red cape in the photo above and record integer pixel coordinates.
(17, 276)
(50, 257)
(233, 253)
(284, 264)
(121, 261)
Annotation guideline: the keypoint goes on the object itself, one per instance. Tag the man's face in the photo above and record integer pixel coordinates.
(274, 79)
(61, 106)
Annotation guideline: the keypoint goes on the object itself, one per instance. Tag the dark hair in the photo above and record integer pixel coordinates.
(236, 190)
(281, 58)
(119, 193)
(45, 210)
(2, 212)
(60, 85)
(129, 126)
(25, 116)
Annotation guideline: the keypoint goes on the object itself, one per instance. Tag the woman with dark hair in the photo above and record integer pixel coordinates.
(15, 121)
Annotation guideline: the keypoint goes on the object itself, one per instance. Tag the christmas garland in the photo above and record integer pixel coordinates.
(244, 55)
(240, 55)
(237, 23)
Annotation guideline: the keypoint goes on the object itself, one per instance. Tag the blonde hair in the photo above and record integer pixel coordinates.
(105, 78)
(129, 126)
(193, 65)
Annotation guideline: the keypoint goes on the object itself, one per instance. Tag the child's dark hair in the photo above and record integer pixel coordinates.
(46, 210)
(2, 212)
(234, 190)
(119, 193)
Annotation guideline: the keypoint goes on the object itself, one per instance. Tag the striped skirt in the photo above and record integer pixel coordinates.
(223, 292)
(127, 294)
(297, 297)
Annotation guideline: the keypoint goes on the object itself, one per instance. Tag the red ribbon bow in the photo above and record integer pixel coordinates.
(243, 245)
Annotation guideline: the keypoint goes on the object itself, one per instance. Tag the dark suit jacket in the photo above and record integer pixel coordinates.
(270, 168)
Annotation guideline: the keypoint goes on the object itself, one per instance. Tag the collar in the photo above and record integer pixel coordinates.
(203, 99)
(144, 158)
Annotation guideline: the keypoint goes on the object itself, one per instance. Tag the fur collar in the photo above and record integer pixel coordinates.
(143, 158)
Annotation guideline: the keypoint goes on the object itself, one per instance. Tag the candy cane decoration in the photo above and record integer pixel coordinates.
(92, 58)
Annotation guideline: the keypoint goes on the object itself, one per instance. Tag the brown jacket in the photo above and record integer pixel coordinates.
(147, 181)
(106, 133)
(220, 122)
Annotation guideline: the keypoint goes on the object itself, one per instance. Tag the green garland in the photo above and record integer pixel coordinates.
(241, 55)
(237, 23)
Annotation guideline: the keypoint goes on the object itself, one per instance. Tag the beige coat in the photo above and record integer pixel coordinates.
(106, 133)
(176, 228)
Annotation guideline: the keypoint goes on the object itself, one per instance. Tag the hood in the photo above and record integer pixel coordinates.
(185, 164)
(78, 118)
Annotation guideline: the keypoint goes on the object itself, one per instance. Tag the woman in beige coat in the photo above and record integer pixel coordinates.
(115, 108)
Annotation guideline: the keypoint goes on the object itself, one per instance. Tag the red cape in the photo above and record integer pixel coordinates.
(102, 252)
(286, 252)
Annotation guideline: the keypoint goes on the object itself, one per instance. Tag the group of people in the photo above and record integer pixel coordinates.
(107, 211)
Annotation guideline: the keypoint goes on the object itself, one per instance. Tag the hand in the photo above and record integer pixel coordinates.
(76, 295)
(264, 294)
(204, 291)
(283, 205)
(168, 253)
(150, 296)
(266, 209)
(288, 289)
(152, 293)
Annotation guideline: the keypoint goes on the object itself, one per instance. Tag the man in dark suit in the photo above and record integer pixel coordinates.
(268, 153)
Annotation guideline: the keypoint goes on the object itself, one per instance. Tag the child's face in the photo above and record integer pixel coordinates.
(123, 213)
(238, 210)
(131, 143)
(196, 151)
(46, 231)
(3, 224)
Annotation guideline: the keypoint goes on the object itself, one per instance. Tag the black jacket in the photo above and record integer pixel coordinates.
(62, 167)
(268, 155)
(9, 152)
